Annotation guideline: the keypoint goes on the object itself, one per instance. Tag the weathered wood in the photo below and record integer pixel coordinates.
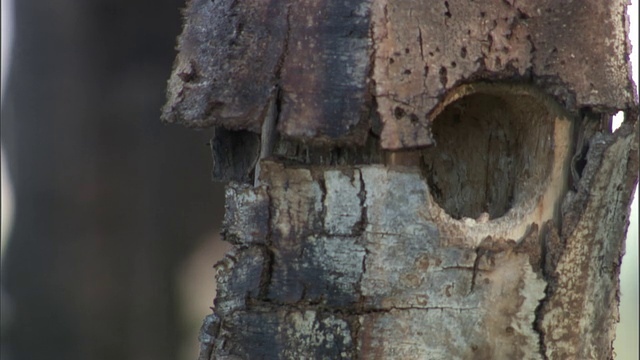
(325, 68)
(230, 53)
(425, 49)
(342, 277)
(314, 56)
(580, 312)
(235, 154)
(369, 244)
(334, 67)
(443, 183)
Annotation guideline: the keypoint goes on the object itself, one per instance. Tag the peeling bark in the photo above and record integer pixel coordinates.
(348, 276)
(438, 180)
(338, 69)
(580, 312)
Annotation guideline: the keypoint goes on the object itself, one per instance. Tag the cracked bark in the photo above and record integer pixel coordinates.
(430, 181)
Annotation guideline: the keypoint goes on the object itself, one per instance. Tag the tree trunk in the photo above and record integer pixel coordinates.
(413, 180)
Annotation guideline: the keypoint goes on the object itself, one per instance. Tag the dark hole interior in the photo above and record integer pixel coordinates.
(493, 150)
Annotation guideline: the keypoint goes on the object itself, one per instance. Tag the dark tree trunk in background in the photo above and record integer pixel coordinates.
(108, 200)
(423, 180)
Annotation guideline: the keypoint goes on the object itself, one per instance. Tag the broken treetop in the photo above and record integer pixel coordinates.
(333, 70)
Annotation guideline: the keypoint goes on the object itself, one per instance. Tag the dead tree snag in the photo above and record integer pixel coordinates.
(414, 179)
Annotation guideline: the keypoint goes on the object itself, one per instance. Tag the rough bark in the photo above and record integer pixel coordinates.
(433, 180)
(361, 262)
(330, 65)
